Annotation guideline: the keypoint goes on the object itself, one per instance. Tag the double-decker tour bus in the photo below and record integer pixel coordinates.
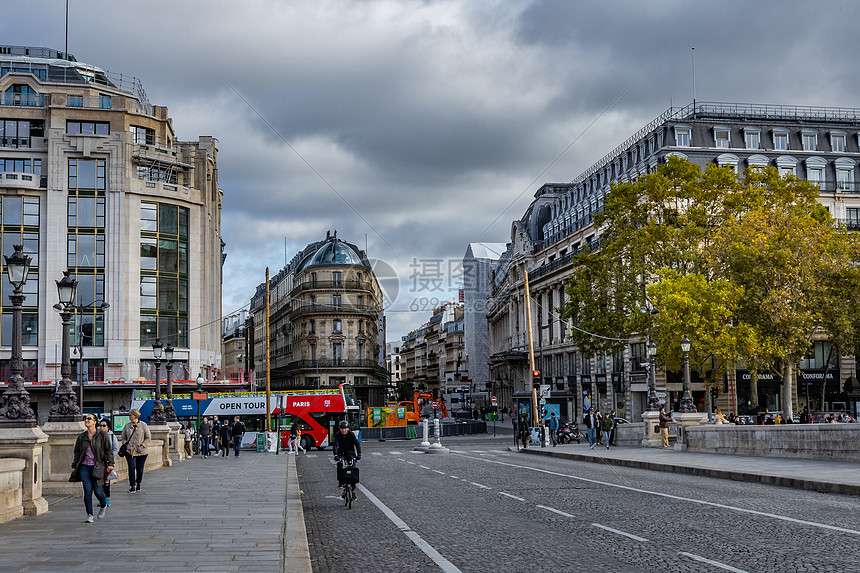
(317, 411)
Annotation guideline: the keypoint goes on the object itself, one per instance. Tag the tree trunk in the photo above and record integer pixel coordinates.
(754, 391)
(787, 406)
(824, 381)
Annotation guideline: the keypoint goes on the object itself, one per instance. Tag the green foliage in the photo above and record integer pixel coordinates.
(747, 268)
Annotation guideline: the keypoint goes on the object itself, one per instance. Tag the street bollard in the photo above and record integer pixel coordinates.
(426, 442)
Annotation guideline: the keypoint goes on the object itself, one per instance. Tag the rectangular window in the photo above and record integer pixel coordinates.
(843, 179)
(586, 366)
(682, 137)
(752, 139)
(336, 278)
(571, 364)
(559, 364)
(336, 326)
(336, 301)
(815, 175)
(148, 253)
(148, 217)
(87, 127)
(337, 351)
(780, 140)
(87, 174)
(837, 142)
(721, 137)
(142, 135)
(148, 292)
(810, 141)
(853, 220)
(104, 101)
(76, 101)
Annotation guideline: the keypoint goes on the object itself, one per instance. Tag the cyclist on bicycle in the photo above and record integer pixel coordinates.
(346, 446)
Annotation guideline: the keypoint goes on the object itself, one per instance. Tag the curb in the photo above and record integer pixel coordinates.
(297, 556)
(781, 481)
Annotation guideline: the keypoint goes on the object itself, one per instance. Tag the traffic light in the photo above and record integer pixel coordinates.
(536, 378)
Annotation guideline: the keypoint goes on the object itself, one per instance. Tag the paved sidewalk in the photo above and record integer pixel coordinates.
(817, 475)
(219, 514)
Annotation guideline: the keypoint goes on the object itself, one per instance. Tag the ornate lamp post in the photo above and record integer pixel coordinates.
(169, 412)
(157, 417)
(687, 405)
(64, 404)
(15, 411)
(653, 401)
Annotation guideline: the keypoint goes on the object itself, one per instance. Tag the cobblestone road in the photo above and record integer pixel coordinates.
(482, 507)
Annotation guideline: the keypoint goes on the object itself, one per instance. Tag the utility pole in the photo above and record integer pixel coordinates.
(268, 362)
(531, 348)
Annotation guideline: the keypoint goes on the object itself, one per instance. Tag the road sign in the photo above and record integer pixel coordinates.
(435, 405)
(544, 391)
(493, 401)
(200, 396)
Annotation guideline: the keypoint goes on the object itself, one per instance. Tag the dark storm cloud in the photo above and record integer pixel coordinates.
(430, 118)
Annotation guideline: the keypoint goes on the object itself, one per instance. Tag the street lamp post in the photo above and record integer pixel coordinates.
(687, 405)
(15, 411)
(169, 412)
(653, 401)
(157, 418)
(64, 406)
(197, 398)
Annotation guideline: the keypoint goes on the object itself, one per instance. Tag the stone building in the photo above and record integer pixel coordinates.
(94, 180)
(433, 355)
(821, 145)
(234, 353)
(325, 323)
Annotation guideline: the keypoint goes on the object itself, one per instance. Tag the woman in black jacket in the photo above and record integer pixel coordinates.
(93, 459)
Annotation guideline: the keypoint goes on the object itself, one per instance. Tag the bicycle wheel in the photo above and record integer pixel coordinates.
(348, 492)
(345, 494)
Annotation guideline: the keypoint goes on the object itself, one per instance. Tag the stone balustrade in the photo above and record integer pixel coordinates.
(834, 442)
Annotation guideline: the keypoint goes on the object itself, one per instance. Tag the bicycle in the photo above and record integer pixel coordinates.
(347, 476)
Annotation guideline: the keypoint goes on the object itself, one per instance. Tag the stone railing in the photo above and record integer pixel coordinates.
(11, 488)
(836, 442)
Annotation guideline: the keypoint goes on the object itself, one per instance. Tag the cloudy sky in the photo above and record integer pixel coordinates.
(417, 127)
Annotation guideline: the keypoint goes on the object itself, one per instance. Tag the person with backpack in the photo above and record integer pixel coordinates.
(226, 438)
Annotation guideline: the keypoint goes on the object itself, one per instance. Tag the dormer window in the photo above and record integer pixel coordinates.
(682, 135)
(752, 138)
(837, 141)
(780, 139)
(722, 137)
(809, 138)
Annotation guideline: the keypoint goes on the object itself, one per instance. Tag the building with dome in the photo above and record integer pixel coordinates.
(326, 325)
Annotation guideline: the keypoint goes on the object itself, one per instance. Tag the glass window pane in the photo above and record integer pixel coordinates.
(86, 212)
(148, 292)
(147, 330)
(6, 329)
(9, 242)
(12, 214)
(86, 251)
(31, 211)
(148, 217)
(183, 222)
(29, 329)
(168, 256)
(148, 254)
(86, 292)
(86, 174)
(168, 292)
(183, 257)
(167, 219)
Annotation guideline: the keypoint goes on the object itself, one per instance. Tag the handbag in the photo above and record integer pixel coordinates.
(123, 451)
(112, 475)
(75, 476)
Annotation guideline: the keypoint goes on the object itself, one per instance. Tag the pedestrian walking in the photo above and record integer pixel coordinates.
(135, 438)
(607, 425)
(718, 417)
(189, 439)
(591, 422)
(226, 438)
(205, 434)
(216, 434)
(525, 435)
(298, 445)
(553, 429)
(291, 444)
(614, 428)
(238, 432)
(93, 458)
(104, 426)
(664, 427)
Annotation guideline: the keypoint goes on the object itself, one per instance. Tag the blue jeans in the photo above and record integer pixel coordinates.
(592, 435)
(135, 469)
(204, 447)
(89, 482)
(237, 444)
(606, 435)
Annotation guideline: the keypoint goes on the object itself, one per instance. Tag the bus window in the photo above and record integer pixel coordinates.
(349, 399)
